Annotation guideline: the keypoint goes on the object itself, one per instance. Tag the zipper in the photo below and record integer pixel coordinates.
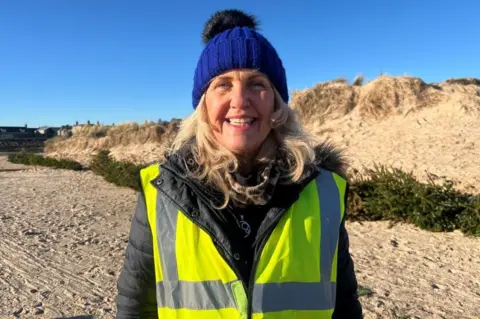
(265, 236)
(252, 278)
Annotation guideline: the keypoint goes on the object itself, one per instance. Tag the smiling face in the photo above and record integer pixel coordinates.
(240, 104)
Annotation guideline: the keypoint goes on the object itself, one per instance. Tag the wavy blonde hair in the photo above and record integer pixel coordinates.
(213, 161)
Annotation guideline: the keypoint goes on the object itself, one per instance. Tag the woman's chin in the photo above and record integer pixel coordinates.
(242, 149)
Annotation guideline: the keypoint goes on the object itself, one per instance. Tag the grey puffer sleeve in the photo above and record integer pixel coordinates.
(136, 284)
(347, 302)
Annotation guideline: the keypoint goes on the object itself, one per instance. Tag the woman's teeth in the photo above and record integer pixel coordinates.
(240, 122)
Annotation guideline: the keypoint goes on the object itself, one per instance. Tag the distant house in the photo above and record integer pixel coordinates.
(65, 132)
(48, 131)
(14, 132)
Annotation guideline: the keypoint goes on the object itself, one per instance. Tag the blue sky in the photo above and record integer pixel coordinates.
(63, 61)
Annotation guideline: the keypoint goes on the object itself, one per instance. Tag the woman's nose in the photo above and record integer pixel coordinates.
(240, 98)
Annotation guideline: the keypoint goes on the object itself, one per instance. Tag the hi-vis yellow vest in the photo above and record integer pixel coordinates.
(295, 275)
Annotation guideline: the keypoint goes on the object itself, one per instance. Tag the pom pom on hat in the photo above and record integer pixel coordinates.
(227, 19)
(232, 41)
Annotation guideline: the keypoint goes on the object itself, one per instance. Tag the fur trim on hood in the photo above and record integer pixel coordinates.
(331, 159)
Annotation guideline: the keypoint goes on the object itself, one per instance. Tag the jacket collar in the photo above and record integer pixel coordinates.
(327, 156)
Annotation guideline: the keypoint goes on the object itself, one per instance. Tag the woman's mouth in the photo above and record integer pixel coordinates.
(241, 122)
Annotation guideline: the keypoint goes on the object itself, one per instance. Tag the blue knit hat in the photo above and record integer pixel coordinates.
(232, 42)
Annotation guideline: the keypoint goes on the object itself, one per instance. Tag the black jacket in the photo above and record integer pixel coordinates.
(136, 283)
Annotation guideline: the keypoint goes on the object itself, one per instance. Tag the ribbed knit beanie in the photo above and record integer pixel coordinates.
(231, 42)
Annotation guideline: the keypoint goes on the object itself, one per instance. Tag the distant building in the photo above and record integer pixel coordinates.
(65, 131)
(13, 132)
(48, 131)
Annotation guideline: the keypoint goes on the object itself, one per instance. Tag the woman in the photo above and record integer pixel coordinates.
(245, 218)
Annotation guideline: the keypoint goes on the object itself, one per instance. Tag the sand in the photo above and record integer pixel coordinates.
(64, 234)
(6, 166)
(63, 238)
(414, 273)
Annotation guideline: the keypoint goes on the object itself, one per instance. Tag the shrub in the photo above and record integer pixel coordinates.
(33, 159)
(469, 219)
(397, 196)
(120, 173)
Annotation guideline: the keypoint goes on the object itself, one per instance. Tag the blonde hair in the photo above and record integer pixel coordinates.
(213, 161)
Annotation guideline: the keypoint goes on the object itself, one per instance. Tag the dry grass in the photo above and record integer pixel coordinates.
(102, 137)
(382, 98)
(121, 139)
(464, 81)
(124, 134)
(377, 100)
(329, 100)
(388, 95)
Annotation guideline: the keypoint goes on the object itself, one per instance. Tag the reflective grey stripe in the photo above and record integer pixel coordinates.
(330, 211)
(309, 296)
(292, 295)
(329, 196)
(167, 216)
(171, 292)
(194, 295)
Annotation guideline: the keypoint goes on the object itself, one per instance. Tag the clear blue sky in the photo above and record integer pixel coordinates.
(63, 61)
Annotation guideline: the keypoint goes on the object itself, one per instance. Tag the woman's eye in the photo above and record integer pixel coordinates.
(222, 85)
(258, 85)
